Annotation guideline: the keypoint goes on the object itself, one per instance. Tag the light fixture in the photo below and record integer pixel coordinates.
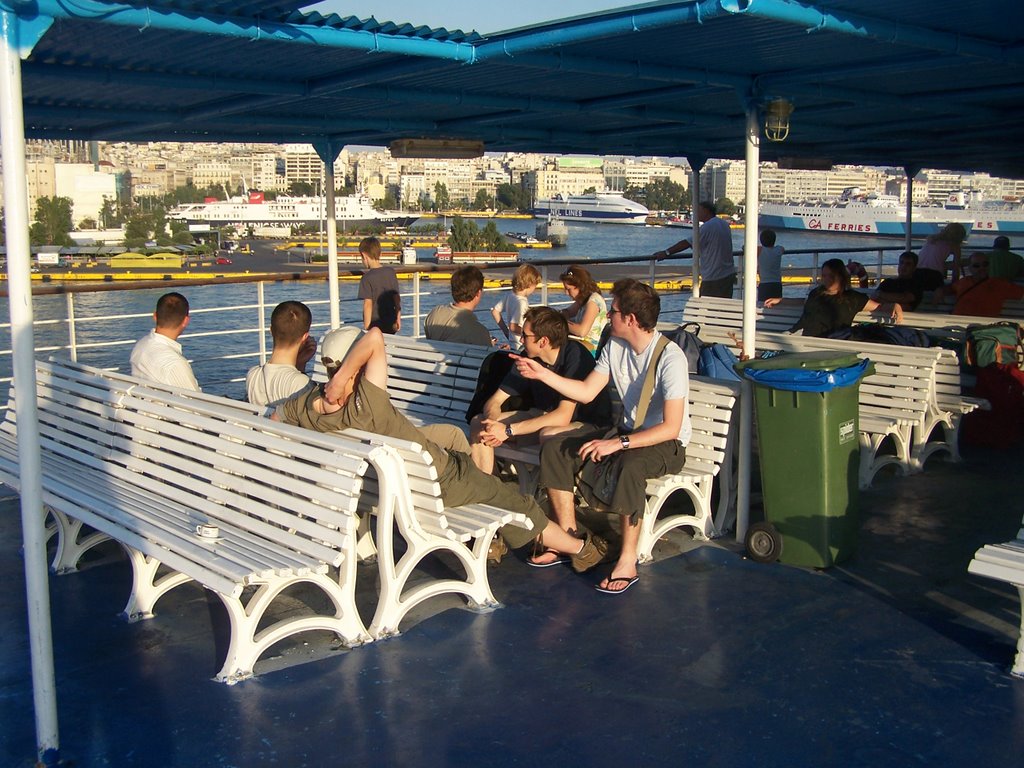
(776, 119)
(451, 149)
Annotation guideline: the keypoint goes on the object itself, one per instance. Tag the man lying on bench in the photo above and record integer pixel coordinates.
(355, 398)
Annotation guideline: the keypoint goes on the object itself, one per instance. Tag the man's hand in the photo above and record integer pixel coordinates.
(528, 368)
(306, 352)
(598, 449)
(492, 432)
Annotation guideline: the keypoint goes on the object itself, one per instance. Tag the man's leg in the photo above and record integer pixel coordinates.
(448, 436)
(625, 567)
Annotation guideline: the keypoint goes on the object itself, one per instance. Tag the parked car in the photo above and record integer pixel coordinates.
(223, 260)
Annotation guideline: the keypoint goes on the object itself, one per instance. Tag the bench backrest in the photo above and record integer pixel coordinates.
(294, 490)
(711, 403)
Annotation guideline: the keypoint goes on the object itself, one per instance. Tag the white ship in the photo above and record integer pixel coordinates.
(608, 207)
(352, 212)
(884, 215)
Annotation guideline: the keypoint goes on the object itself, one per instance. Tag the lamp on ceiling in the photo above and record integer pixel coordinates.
(452, 149)
(776, 119)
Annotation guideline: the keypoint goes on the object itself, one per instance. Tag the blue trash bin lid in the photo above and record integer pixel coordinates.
(806, 371)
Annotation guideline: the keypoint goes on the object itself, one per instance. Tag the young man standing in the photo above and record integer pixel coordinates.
(655, 447)
(355, 397)
(456, 321)
(378, 288)
(285, 373)
(157, 355)
(546, 339)
(717, 269)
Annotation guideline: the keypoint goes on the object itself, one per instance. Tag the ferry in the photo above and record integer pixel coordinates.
(874, 214)
(285, 212)
(602, 207)
(860, 214)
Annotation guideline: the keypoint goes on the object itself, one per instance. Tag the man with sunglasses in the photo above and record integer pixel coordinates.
(651, 447)
(545, 339)
(979, 294)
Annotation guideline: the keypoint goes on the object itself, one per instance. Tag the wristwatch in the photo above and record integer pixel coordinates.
(508, 431)
(624, 439)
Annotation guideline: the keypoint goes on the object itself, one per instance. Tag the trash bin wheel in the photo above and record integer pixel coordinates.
(763, 543)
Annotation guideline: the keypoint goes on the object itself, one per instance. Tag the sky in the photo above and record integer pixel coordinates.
(483, 16)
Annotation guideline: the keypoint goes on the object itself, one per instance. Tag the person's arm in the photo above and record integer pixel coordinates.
(492, 408)
(672, 250)
(367, 355)
(494, 430)
(583, 327)
(893, 297)
(367, 313)
(305, 354)
(958, 267)
(573, 389)
(893, 308)
(775, 301)
(668, 429)
(500, 321)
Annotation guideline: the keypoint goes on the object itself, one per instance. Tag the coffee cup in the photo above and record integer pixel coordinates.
(207, 531)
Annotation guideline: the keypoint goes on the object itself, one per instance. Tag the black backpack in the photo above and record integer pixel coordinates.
(689, 341)
(493, 371)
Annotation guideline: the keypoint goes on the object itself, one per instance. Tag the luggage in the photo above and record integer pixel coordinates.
(1000, 343)
(687, 336)
(717, 361)
(1003, 425)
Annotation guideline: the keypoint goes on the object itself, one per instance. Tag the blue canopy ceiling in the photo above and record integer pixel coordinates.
(918, 83)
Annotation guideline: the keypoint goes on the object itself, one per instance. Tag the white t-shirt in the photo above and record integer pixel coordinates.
(273, 383)
(158, 358)
(769, 263)
(627, 370)
(512, 308)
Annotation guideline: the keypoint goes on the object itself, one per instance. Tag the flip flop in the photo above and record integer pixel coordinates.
(560, 559)
(629, 581)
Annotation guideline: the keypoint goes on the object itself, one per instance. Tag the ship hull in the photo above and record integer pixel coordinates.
(600, 208)
(887, 222)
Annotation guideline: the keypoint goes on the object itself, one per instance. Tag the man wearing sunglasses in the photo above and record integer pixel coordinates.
(978, 294)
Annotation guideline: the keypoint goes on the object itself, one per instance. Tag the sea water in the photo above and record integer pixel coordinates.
(224, 344)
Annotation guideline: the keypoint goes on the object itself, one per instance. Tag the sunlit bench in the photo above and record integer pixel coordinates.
(145, 467)
(1005, 562)
(709, 454)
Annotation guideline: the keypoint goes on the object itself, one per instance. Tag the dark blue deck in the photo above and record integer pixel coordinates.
(897, 658)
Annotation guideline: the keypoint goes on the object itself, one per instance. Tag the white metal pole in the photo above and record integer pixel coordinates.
(753, 156)
(261, 306)
(332, 240)
(909, 218)
(72, 330)
(694, 240)
(12, 139)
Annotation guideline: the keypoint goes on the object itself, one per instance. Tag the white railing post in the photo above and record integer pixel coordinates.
(878, 267)
(416, 305)
(72, 335)
(653, 273)
(261, 325)
(544, 286)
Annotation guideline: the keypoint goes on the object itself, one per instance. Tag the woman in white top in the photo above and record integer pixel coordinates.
(932, 260)
(588, 313)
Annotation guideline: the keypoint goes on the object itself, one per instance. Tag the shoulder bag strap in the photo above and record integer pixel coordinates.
(647, 390)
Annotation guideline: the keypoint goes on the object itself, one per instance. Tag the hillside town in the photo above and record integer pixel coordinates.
(105, 181)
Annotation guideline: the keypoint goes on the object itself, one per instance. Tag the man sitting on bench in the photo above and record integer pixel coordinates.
(355, 398)
(651, 444)
(546, 339)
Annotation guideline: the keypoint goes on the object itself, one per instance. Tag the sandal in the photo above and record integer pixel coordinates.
(550, 556)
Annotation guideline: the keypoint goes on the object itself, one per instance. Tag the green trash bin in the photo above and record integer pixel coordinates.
(806, 406)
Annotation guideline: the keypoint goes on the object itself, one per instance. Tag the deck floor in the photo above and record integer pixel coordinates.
(896, 658)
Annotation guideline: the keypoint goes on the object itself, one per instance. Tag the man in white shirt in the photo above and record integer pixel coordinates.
(157, 355)
(285, 373)
(717, 268)
(654, 447)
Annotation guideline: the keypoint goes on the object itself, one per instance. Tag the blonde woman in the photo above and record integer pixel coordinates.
(933, 258)
(588, 312)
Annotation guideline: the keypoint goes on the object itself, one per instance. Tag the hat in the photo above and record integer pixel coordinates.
(337, 343)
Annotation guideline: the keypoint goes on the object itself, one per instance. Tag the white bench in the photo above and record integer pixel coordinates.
(1005, 562)
(145, 467)
(711, 405)
(937, 428)
(401, 487)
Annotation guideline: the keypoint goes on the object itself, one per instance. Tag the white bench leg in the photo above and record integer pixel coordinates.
(146, 588)
(923, 448)
(247, 643)
(652, 528)
(871, 461)
(71, 545)
(1018, 662)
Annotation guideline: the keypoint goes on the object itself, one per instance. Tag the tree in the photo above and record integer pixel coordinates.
(386, 203)
(590, 191)
(137, 231)
(87, 223)
(511, 197)
(483, 201)
(53, 222)
(301, 189)
(466, 237)
(725, 206)
(441, 200)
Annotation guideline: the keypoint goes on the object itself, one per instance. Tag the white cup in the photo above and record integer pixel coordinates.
(207, 531)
